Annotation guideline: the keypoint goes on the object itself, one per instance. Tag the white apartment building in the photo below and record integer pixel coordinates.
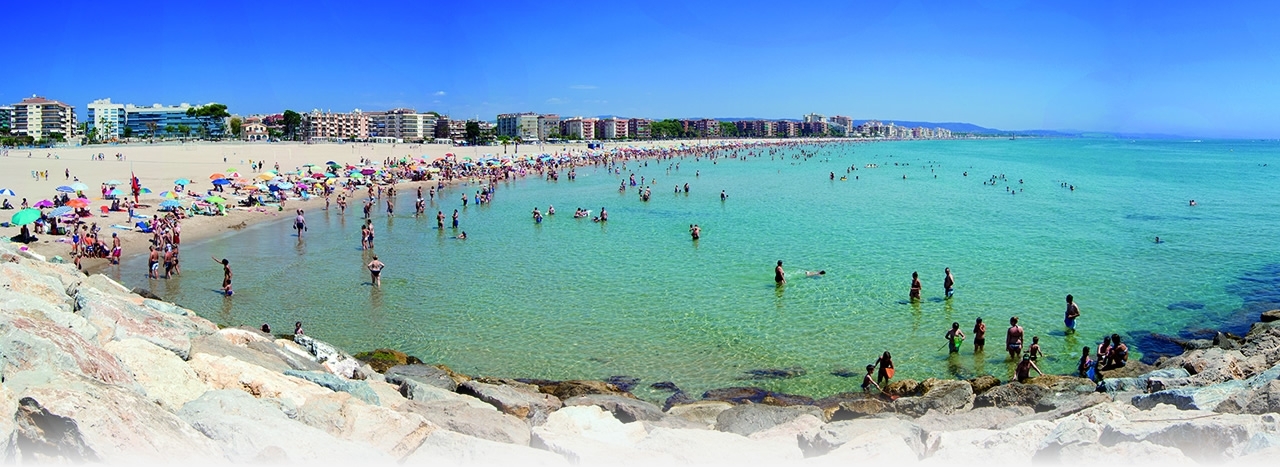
(402, 124)
(519, 125)
(106, 119)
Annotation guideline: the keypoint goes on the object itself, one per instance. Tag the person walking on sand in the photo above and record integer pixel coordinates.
(954, 337)
(948, 283)
(779, 277)
(226, 275)
(1073, 312)
(979, 336)
(1013, 339)
(375, 271)
(914, 294)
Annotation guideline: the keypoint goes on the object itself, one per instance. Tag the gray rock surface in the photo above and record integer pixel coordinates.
(750, 418)
(625, 409)
(484, 423)
(986, 418)
(359, 389)
(524, 404)
(443, 447)
(1191, 398)
(166, 379)
(346, 417)
(944, 396)
(420, 374)
(833, 435)
(119, 318)
(1009, 395)
(703, 413)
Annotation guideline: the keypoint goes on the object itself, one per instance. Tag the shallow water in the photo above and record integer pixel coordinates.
(569, 298)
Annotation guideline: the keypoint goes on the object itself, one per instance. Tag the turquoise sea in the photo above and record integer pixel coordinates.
(569, 298)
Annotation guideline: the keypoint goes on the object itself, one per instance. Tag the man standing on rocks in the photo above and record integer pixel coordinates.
(1013, 339)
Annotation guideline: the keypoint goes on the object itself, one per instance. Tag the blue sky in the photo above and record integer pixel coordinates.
(1196, 69)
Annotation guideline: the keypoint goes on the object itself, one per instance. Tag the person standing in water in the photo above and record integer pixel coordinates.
(954, 337)
(226, 275)
(375, 271)
(979, 336)
(885, 362)
(455, 218)
(915, 287)
(300, 223)
(948, 283)
(1013, 339)
(1073, 312)
(778, 276)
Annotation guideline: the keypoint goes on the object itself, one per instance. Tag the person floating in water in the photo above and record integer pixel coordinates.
(1193, 202)
(1158, 240)
(914, 294)
(463, 235)
(1073, 312)
(948, 283)
(779, 276)
(815, 273)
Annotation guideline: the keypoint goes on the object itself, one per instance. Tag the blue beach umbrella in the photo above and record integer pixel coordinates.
(65, 189)
(7, 192)
(117, 192)
(62, 211)
(172, 203)
(222, 181)
(182, 181)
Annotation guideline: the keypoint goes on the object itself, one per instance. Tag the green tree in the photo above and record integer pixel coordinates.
(473, 132)
(728, 129)
(504, 140)
(210, 116)
(237, 126)
(170, 129)
(292, 123)
(184, 130)
(57, 136)
(128, 132)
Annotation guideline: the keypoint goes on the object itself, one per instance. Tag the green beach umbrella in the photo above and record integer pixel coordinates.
(25, 216)
(215, 199)
(232, 169)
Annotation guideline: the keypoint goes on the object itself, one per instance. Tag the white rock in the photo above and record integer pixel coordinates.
(346, 417)
(587, 435)
(231, 373)
(448, 448)
(876, 447)
(166, 378)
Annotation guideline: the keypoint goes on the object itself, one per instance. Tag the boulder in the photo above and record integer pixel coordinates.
(346, 417)
(786, 434)
(1012, 446)
(526, 405)
(903, 388)
(668, 446)
(1259, 400)
(443, 447)
(982, 383)
(73, 418)
(1216, 365)
(574, 388)
(704, 413)
(857, 408)
(1201, 435)
(1143, 453)
(217, 345)
(1139, 383)
(36, 350)
(254, 430)
(625, 409)
(15, 304)
(945, 396)
(119, 318)
(230, 373)
(833, 435)
(167, 379)
(382, 360)
(736, 395)
(1263, 339)
(982, 418)
(1059, 383)
(1012, 394)
(8, 425)
(1058, 405)
(484, 423)
(1191, 397)
(1269, 316)
(876, 447)
(413, 390)
(587, 435)
(678, 398)
(750, 418)
(46, 288)
(360, 389)
(421, 374)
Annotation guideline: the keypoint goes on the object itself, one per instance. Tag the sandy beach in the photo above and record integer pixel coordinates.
(158, 165)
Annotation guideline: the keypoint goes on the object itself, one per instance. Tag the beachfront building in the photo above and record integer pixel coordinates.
(458, 131)
(169, 120)
(787, 129)
(612, 128)
(756, 128)
(522, 125)
(548, 127)
(579, 128)
(702, 128)
(106, 120)
(402, 124)
(254, 129)
(813, 128)
(329, 126)
(6, 118)
(42, 118)
(814, 118)
(639, 128)
(843, 121)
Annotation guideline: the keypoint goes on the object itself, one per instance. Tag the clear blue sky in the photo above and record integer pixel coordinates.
(1199, 69)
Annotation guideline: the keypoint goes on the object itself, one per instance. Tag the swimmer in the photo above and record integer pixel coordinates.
(1023, 371)
(1013, 338)
(1034, 351)
(1193, 202)
(462, 236)
(375, 271)
(868, 382)
(979, 336)
(815, 273)
(1158, 240)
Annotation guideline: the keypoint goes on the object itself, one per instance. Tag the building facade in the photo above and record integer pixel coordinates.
(403, 124)
(579, 128)
(317, 125)
(522, 125)
(612, 128)
(254, 129)
(702, 128)
(639, 128)
(41, 118)
(788, 129)
(168, 120)
(548, 127)
(105, 120)
(756, 128)
(6, 118)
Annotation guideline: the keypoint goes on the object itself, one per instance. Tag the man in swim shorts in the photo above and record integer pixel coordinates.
(948, 283)
(375, 271)
(1013, 339)
(1073, 312)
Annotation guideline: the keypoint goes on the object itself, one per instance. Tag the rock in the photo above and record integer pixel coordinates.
(834, 435)
(119, 318)
(443, 447)
(414, 390)
(525, 405)
(679, 398)
(857, 408)
(8, 424)
(1139, 383)
(230, 373)
(389, 394)
(750, 418)
(346, 417)
(287, 353)
(384, 359)
(944, 396)
(1269, 316)
(145, 293)
(73, 418)
(667, 446)
(982, 383)
(904, 388)
(1012, 394)
(36, 350)
(664, 386)
(1263, 339)
(21, 278)
(1259, 400)
(484, 423)
(1201, 435)
(166, 379)
(624, 383)
(625, 409)
(587, 435)
(16, 303)
(736, 395)
(1143, 453)
(786, 400)
(1012, 446)
(787, 433)
(1215, 365)
(704, 413)
(249, 429)
(569, 389)
(1191, 398)
(1057, 406)
(360, 389)
(877, 447)
(983, 418)
(775, 373)
(1058, 383)
(217, 345)
(1132, 369)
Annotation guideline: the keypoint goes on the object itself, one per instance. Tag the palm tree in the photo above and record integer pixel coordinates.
(152, 127)
(504, 139)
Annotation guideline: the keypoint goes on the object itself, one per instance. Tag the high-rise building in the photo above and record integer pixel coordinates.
(40, 118)
(548, 127)
(169, 120)
(612, 128)
(335, 126)
(787, 129)
(702, 128)
(105, 120)
(404, 124)
(841, 120)
(6, 117)
(639, 128)
(522, 125)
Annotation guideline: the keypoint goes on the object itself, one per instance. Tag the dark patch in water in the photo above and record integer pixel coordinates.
(624, 383)
(1154, 346)
(1142, 217)
(935, 299)
(775, 373)
(665, 386)
(845, 373)
(1185, 305)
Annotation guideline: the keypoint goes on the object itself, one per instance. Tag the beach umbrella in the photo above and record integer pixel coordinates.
(368, 171)
(62, 211)
(171, 204)
(357, 175)
(215, 199)
(317, 175)
(117, 192)
(331, 163)
(79, 203)
(65, 189)
(145, 191)
(7, 192)
(301, 185)
(168, 195)
(308, 165)
(329, 175)
(44, 203)
(113, 182)
(79, 186)
(222, 181)
(266, 176)
(233, 174)
(25, 216)
(182, 181)
(217, 176)
(233, 169)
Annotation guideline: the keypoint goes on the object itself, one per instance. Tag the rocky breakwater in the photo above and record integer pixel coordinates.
(94, 372)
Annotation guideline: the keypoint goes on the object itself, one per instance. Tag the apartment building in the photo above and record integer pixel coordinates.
(548, 127)
(105, 119)
(402, 124)
(639, 128)
(612, 128)
(39, 118)
(317, 125)
(522, 125)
